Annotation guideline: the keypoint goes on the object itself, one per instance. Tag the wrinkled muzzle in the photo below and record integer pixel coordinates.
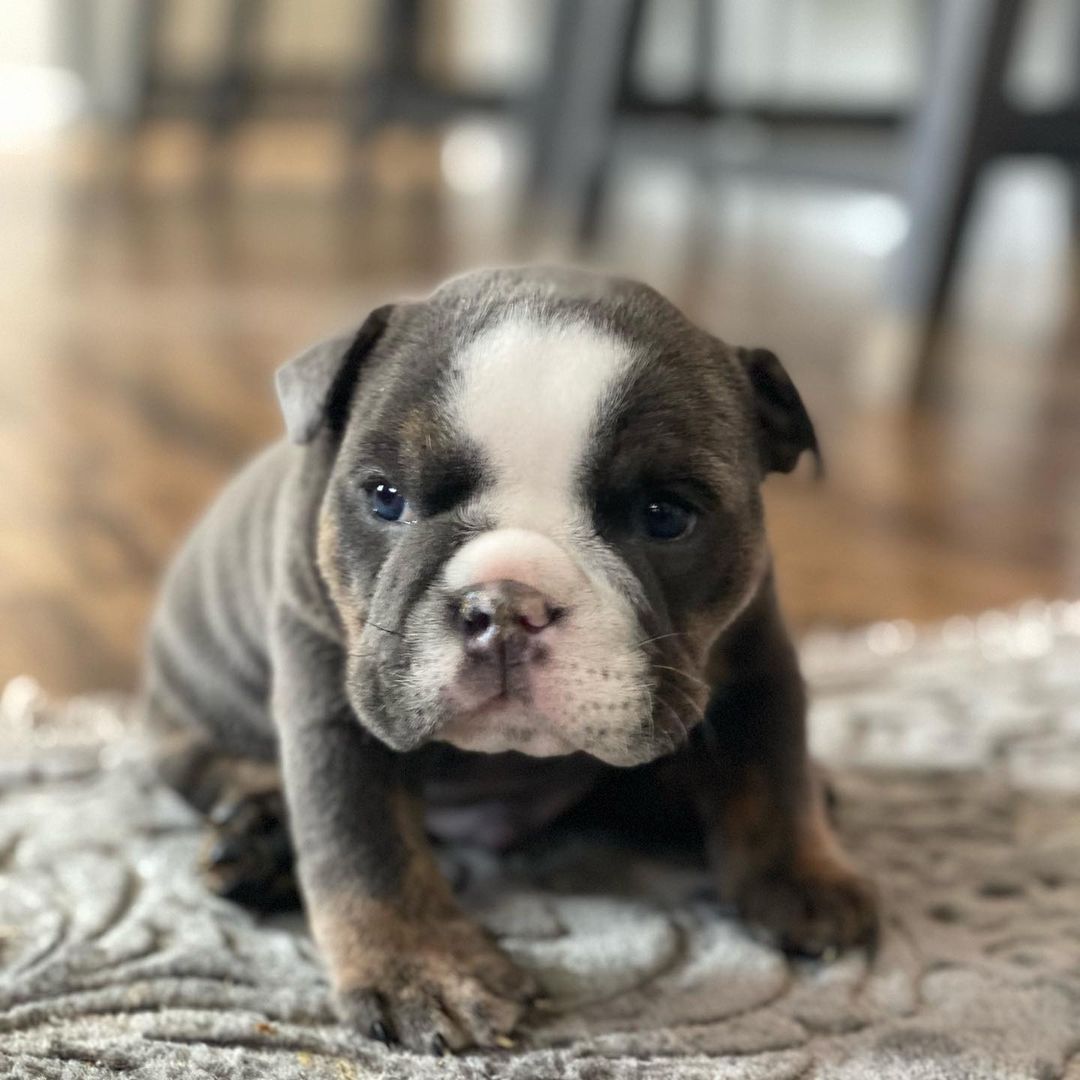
(522, 643)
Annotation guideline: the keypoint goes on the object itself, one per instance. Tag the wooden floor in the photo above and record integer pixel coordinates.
(148, 291)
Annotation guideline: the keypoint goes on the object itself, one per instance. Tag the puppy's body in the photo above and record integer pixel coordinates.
(209, 663)
(518, 552)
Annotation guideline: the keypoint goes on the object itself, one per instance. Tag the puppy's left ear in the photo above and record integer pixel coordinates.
(784, 427)
(314, 387)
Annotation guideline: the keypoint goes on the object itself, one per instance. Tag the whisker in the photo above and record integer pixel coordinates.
(396, 633)
(660, 637)
(675, 715)
(697, 709)
(684, 674)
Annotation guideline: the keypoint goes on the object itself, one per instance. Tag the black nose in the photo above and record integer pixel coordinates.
(501, 615)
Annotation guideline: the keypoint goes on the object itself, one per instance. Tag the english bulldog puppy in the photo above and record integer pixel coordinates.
(512, 555)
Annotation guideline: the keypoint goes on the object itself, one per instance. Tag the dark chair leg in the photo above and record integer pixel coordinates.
(76, 26)
(575, 121)
(584, 184)
(594, 193)
(229, 92)
(542, 110)
(376, 93)
(706, 49)
(146, 23)
(1074, 32)
(120, 95)
(961, 124)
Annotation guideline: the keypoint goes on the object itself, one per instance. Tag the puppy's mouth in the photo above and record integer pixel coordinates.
(472, 708)
(534, 714)
(501, 667)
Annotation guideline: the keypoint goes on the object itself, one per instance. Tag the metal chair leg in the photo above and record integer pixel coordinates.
(542, 112)
(116, 57)
(581, 93)
(595, 188)
(962, 123)
(230, 89)
(375, 94)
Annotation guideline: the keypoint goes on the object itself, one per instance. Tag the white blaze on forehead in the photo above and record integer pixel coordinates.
(528, 393)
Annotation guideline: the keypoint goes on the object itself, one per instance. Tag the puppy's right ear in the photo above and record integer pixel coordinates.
(784, 426)
(314, 387)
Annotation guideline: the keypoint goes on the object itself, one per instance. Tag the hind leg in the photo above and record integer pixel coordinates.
(247, 855)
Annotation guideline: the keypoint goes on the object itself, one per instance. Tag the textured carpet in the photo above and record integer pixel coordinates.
(957, 759)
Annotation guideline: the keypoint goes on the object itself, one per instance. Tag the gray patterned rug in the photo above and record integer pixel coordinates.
(957, 759)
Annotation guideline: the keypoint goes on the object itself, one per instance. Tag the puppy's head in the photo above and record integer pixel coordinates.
(542, 511)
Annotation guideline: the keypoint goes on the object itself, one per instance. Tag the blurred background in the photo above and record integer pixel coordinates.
(885, 192)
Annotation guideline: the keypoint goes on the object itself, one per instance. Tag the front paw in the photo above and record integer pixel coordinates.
(811, 912)
(450, 988)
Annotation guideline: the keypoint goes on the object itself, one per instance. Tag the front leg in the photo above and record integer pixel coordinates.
(406, 964)
(769, 840)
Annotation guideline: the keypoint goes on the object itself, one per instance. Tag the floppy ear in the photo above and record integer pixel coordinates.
(784, 428)
(315, 386)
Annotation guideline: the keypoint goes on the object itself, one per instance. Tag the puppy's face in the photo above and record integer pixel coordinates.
(543, 510)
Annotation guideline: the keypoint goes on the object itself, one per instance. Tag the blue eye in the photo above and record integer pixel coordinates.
(666, 519)
(389, 504)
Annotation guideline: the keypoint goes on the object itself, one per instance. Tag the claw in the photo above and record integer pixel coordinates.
(436, 999)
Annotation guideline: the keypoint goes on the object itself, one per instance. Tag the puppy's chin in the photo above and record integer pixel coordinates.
(503, 725)
(507, 725)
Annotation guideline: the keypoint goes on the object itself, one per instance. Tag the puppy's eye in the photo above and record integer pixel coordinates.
(388, 503)
(666, 518)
